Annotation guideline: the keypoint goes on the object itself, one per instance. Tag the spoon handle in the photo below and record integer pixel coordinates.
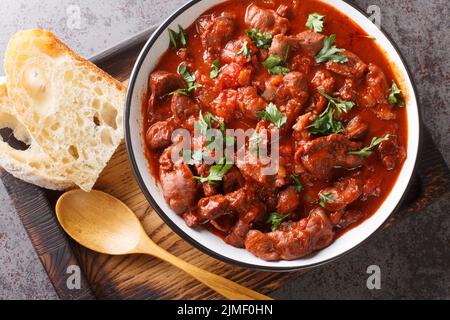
(229, 289)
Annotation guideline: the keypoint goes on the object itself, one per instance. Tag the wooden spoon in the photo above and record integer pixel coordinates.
(104, 224)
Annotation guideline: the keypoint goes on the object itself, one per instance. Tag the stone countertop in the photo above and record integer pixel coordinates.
(413, 255)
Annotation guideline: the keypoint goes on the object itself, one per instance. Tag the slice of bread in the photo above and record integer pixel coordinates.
(71, 108)
(31, 165)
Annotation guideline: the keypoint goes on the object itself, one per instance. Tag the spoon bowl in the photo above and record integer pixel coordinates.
(103, 223)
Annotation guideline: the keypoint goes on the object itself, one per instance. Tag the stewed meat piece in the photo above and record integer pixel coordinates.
(251, 102)
(229, 55)
(162, 83)
(280, 89)
(350, 217)
(374, 89)
(218, 31)
(294, 239)
(342, 193)
(177, 182)
(203, 170)
(159, 135)
(348, 90)
(183, 107)
(225, 105)
(282, 45)
(323, 154)
(249, 211)
(353, 68)
(310, 41)
(391, 153)
(356, 128)
(323, 81)
(288, 200)
(213, 207)
(232, 181)
(266, 20)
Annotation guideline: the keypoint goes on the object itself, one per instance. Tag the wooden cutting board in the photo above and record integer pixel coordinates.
(142, 277)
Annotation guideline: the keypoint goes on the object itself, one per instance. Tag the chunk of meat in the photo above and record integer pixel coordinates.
(282, 45)
(179, 188)
(288, 200)
(249, 208)
(159, 135)
(356, 128)
(232, 181)
(348, 90)
(310, 41)
(391, 153)
(225, 105)
(183, 107)
(281, 89)
(162, 83)
(229, 53)
(374, 89)
(217, 32)
(353, 68)
(343, 193)
(321, 155)
(323, 81)
(213, 207)
(234, 75)
(266, 20)
(300, 127)
(294, 239)
(384, 111)
(203, 170)
(283, 10)
(251, 102)
(350, 217)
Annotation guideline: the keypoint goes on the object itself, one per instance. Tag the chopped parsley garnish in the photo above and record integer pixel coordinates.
(215, 69)
(178, 39)
(216, 172)
(326, 198)
(395, 97)
(245, 51)
(325, 124)
(315, 22)
(273, 115)
(297, 184)
(276, 219)
(276, 65)
(205, 123)
(329, 52)
(367, 151)
(188, 78)
(261, 40)
(340, 105)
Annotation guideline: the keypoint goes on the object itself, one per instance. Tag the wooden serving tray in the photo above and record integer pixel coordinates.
(142, 277)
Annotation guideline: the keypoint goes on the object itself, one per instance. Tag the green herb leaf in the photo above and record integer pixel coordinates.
(261, 40)
(245, 51)
(341, 105)
(176, 38)
(273, 115)
(329, 52)
(315, 22)
(326, 198)
(215, 69)
(216, 172)
(173, 37)
(276, 219)
(367, 151)
(275, 65)
(395, 97)
(182, 35)
(297, 184)
(188, 78)
(325, 124)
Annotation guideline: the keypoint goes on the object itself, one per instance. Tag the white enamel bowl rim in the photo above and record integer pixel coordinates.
(204, 240)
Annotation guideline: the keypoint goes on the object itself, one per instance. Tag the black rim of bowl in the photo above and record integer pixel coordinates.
(180, 232)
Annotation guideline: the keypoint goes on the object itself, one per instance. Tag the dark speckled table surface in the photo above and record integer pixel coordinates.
(413, 255)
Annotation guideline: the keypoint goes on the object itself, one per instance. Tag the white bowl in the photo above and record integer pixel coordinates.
(203, 239)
